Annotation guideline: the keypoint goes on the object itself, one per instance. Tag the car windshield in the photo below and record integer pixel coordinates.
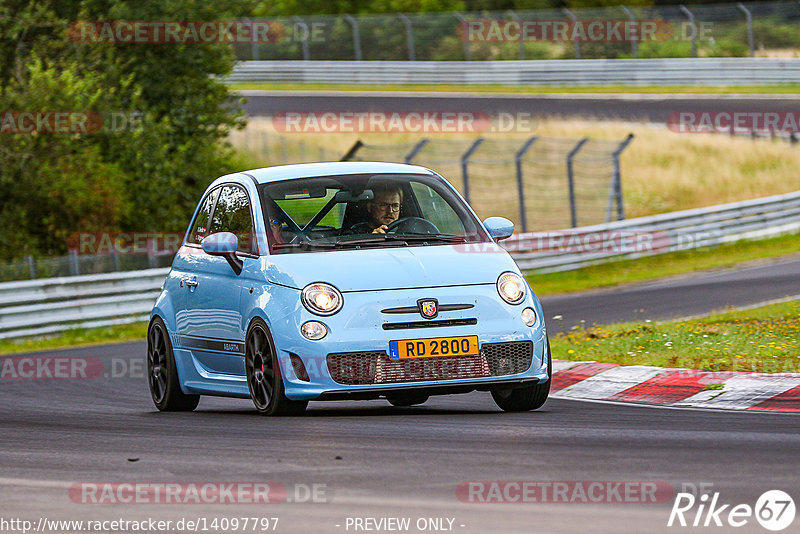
(365, 211)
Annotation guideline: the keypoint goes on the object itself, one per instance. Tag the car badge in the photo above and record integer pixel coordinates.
(428, 308)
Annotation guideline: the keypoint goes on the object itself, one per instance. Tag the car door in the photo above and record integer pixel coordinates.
(210, 320)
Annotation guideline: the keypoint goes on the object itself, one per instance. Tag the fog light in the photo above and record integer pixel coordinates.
(528, 316)
(313, 330)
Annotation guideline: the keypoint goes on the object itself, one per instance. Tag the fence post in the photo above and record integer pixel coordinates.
(304, 45)
(253, 41)
(414, 151)
(571, 181)
(464, 164)
(635, 37)
(74, 266)
(523, 211)
(749, 18)
(352, 152)
(521, 39)
(577, 41)
(690, 16)
(31, 266)
(617, 184)
(409, 35)
(356, 35)
(464, 35)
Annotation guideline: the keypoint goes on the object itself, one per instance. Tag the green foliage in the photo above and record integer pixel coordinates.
(145, 176)
(651, 49)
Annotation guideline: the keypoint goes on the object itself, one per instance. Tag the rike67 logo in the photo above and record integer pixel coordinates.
(774, 510)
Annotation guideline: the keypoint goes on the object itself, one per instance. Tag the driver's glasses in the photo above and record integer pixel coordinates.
(386, 206)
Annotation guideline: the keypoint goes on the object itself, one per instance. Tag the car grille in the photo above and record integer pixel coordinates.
(495, 359)
(429, 324)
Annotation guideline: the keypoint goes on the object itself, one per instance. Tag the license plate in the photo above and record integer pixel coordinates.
(433, 347)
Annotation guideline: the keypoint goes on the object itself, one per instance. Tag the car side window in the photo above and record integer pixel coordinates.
(436, 209)
(232, 214)
(200, 226)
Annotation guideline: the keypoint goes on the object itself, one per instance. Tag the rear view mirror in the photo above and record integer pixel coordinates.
(224, 244)
(347, 196)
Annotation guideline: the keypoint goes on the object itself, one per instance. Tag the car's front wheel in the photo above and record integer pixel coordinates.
(264, 375)
(162, 375)
(525, 398)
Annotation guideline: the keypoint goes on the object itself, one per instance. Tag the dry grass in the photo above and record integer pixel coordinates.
(662, 171)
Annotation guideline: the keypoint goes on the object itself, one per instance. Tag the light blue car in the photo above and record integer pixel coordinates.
(349, 280)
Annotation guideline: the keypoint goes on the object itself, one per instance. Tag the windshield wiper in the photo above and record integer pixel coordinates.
(377, 240)
(447, 238)
(404, 238)
(304, 245)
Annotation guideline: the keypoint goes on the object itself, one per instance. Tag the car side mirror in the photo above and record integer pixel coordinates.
(224, 244)
(499, 227)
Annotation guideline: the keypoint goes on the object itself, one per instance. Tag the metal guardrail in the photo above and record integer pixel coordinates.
(586, 72)
(37, 307)
(48, 305)
(656, 234)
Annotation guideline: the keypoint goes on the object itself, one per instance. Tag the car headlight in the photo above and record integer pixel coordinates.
(511, 287)
(321, 298)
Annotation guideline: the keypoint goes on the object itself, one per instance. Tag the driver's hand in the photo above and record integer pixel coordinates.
(381, 229)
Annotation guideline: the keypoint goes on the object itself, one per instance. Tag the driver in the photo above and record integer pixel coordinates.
(383, 209)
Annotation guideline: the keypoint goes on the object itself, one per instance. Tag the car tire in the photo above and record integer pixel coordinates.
(264, 378)
(162, 374)
(525, 398)
(407, 400)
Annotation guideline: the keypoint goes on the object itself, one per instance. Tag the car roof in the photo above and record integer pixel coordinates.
(334, 168)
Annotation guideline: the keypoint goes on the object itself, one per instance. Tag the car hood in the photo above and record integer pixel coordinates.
(392, 268)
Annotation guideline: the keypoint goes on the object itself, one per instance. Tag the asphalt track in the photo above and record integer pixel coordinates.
(645, 108)
(682, 296)
(372, 460)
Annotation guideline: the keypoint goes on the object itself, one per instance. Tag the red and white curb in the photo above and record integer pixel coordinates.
(726, 390)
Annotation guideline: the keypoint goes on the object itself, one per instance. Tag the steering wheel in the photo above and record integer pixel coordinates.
(416, 225)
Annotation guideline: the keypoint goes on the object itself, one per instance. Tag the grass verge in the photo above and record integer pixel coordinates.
(788, 89)
(617, 273)
(82, 337)
(762, 339)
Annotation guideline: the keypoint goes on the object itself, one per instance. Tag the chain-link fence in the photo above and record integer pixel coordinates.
(539, 183)
(712, 30)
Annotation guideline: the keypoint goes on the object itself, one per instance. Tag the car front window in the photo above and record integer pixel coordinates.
(365, 211)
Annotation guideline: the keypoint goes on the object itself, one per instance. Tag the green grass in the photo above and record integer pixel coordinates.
(762, 339)
(617, 273)
(788, 89)
(77, 338)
